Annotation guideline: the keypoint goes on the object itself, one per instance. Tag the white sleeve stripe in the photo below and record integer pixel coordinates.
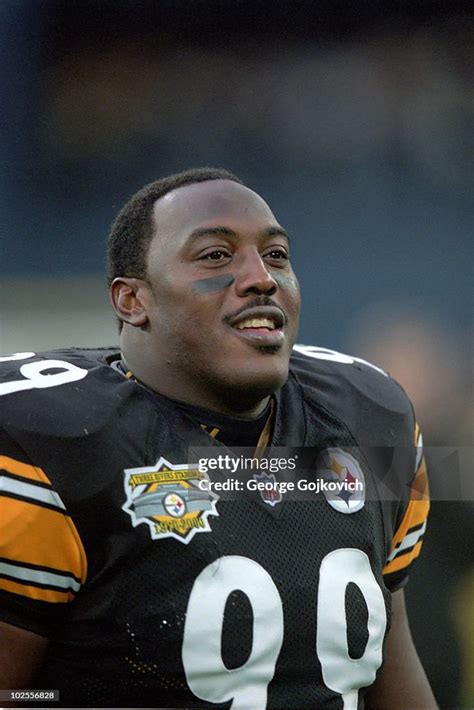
(47, 579)
(408, 541)
(29, 490)
(419, 451)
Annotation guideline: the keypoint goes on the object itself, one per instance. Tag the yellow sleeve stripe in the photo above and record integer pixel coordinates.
(402, 561)
(38, 593)
(35, 535)
(39, 543)
(404, 548)
(23, 469)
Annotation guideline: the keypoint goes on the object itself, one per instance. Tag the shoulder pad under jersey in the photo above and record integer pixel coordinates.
(372, 404)
(60, 392)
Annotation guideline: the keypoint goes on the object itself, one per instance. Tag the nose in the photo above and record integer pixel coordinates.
(253, 276)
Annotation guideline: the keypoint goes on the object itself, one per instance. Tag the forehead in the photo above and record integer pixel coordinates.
(213, 203)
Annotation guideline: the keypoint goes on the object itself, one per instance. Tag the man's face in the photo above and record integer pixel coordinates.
(224, 302)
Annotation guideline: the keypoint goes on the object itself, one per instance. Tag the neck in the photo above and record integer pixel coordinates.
(229, 401)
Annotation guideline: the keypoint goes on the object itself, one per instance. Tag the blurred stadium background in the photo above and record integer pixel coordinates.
(354, 121)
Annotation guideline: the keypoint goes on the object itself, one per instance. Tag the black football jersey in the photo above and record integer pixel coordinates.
(158, 590)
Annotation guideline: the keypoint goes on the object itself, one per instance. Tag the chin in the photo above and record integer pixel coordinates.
(259, 381)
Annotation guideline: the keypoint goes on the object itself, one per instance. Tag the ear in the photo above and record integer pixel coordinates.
(129, 299)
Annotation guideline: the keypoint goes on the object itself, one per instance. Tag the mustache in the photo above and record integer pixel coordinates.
(257, 302)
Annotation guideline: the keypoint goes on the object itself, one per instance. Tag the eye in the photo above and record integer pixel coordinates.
(278, 254)
(216, 255)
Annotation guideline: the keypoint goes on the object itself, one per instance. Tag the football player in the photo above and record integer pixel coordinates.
(123, 580)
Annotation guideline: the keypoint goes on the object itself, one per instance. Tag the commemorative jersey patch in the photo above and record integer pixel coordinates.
(168, 498)
(341, 481)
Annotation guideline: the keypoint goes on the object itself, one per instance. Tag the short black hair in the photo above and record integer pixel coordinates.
(132, 230)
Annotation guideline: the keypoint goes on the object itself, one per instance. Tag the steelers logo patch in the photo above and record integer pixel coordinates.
(169, 500)
(341, 481)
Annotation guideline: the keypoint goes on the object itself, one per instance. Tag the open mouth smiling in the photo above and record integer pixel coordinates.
(256, 323)
(262, 324)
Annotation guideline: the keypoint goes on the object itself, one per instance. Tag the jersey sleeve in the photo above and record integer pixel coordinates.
(408, 538)
(43, 563)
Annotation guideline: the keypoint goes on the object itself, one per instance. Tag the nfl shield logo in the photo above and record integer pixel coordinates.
(269, 493)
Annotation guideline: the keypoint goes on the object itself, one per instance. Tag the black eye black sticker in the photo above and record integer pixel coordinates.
(285, 281)
(215, 283)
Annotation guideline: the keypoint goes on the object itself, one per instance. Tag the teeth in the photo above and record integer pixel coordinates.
(256, 323)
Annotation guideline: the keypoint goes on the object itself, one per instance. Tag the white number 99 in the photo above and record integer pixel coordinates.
(209, 678)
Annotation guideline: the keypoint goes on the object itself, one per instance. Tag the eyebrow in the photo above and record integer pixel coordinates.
(226, 232)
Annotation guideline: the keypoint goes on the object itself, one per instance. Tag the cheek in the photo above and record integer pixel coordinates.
(290, 293)
(195, 320)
